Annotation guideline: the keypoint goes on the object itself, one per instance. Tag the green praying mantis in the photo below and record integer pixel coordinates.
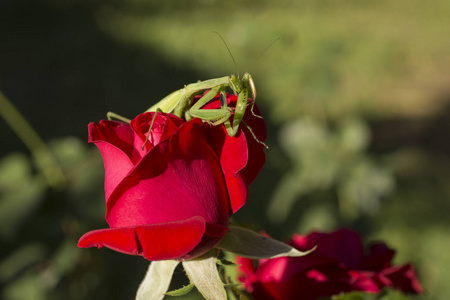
(180, 102)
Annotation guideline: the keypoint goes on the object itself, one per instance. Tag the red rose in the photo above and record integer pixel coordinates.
(173, 199)
(337, 265)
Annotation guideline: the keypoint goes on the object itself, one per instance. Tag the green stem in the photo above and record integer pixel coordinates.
(44, 158)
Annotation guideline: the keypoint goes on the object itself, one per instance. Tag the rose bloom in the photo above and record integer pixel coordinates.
(172, 198)
(338, 264)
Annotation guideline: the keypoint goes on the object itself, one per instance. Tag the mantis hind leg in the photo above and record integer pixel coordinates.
(254, 136)
(253, 113)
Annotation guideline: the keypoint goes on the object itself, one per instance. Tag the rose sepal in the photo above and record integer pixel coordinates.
(250, 244)
(157, 280)
(203, 273)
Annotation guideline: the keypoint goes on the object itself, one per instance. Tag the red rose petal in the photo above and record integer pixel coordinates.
(164, 125)
(234, 158)
(342, 246)
(337, 265)
(170, 240)
(404, 278)
(174, 198)
(115, 142)
(379, 258)
(176, 180)
(257, 158)
(162, 241)
(239, 168)
(118, 239)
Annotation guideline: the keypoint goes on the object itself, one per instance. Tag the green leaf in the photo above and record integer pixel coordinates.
(253, 245)
(22, 258)
(21, 193)
(182, 291)
(386, 294)
(239, 294)
(157, 280)
(203, 273)
(226, 263)
(351, 296)
(231, 285)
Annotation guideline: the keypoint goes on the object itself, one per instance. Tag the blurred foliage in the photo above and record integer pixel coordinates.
(384, 295)
(323, 159)
(355, 94)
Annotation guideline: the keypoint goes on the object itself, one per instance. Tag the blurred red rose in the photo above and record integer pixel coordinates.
(337, 265)
(173, 198)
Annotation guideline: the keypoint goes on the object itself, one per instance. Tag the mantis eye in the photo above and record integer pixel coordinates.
(252, 87)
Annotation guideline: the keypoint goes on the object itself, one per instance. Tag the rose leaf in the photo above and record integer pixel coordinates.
(247, 243)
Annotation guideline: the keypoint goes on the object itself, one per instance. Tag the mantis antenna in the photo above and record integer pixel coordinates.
(251, 82)
(229, 51)
(261, 53)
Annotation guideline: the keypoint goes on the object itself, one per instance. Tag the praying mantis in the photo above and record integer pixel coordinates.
(180, 102)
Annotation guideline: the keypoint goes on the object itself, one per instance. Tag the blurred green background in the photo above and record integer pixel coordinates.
(355, 94)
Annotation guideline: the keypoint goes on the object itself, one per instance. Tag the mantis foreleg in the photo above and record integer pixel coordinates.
(213, 116)
(110, 115)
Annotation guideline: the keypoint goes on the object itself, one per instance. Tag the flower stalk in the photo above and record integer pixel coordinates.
(44, 158)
